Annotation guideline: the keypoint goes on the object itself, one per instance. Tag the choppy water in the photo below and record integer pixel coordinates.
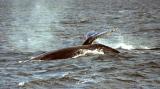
(30, 27)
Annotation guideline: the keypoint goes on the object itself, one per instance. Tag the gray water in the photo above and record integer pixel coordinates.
(31, 27)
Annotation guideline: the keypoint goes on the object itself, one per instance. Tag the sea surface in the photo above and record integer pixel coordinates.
(32, 27)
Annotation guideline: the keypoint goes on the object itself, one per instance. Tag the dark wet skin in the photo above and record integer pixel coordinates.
(73, 51)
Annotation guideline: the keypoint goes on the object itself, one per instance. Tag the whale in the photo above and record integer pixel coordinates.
(86, 48)
(71, 52)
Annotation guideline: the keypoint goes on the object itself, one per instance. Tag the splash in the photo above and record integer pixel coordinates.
(124, 46)
(120, 44)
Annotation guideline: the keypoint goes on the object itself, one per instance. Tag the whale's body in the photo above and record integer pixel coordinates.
(71, 52)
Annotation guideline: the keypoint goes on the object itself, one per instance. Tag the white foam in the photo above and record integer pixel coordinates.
(130, 47)
(144, 47)
(20, 61)
(23, 61)
(21, 84)
(124, 46)
(121, 44)
(115, 45)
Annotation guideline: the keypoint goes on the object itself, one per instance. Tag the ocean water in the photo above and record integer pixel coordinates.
(31, 27)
